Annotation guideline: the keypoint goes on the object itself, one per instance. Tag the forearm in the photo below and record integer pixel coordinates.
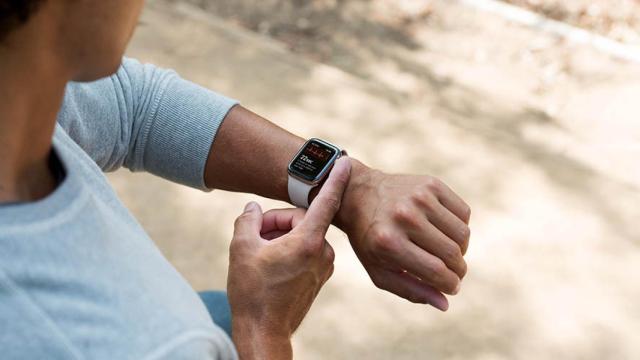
(250, 154)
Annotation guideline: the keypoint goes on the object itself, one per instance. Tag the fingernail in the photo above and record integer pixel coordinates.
(250, 206)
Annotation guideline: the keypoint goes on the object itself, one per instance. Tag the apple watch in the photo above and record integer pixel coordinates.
(309, 168)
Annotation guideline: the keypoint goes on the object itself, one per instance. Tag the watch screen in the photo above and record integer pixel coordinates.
(312, 160)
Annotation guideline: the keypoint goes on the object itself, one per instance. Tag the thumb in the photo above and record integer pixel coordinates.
(249, 223)
(325, 206)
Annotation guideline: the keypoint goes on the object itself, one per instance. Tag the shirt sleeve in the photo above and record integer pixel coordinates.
(146, 119)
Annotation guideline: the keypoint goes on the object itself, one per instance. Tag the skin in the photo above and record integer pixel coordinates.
(410, 232)
(279, 260)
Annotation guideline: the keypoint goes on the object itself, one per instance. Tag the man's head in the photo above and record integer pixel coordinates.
(87, 37)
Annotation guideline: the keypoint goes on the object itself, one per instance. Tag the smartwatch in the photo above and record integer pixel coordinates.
(309, 168)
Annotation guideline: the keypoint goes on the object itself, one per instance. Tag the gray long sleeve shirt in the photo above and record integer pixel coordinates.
(79, 277)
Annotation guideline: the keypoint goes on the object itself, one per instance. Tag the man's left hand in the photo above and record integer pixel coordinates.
(410, 233)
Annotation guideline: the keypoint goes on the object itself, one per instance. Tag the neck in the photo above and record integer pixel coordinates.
(32, 85)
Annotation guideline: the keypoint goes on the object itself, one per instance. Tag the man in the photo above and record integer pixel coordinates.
(79, 278)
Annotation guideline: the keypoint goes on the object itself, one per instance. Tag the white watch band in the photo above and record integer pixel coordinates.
(299, 192)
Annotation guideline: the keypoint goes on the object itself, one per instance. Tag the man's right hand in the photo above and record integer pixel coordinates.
(279, 260)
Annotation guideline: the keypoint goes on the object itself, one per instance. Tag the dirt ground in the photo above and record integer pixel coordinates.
(307, 26)
(616, 19)
(539, 136)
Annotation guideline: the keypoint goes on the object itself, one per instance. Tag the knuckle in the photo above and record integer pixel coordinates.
(464, 247)
(441, 279)
(405, 214)
(384, 241)
(419, 196)
(437, 270)
(467, 212)
(450, 287)
(329, 273)
(241, 219)
(465, 233)
(424, 200)
(238, 240)
(342, 179)
(463, 269)
(433, 185)
(317, 234)
(332, 202)
(238, 221)
(453, 258)
(330, 254)
(452, 254)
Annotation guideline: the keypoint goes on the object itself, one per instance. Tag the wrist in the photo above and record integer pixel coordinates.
(361, 182)
(254, 341)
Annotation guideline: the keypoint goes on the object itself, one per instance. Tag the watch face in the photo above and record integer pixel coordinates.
(313, 161)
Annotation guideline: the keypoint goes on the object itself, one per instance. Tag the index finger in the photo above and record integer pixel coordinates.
(325, 206)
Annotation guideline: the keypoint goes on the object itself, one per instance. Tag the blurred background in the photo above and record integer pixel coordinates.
(538, 132)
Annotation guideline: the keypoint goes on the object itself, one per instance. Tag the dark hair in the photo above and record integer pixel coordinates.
(14, 13)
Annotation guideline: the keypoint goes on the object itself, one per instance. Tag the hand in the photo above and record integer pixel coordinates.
(409, 232)
(279, 260)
